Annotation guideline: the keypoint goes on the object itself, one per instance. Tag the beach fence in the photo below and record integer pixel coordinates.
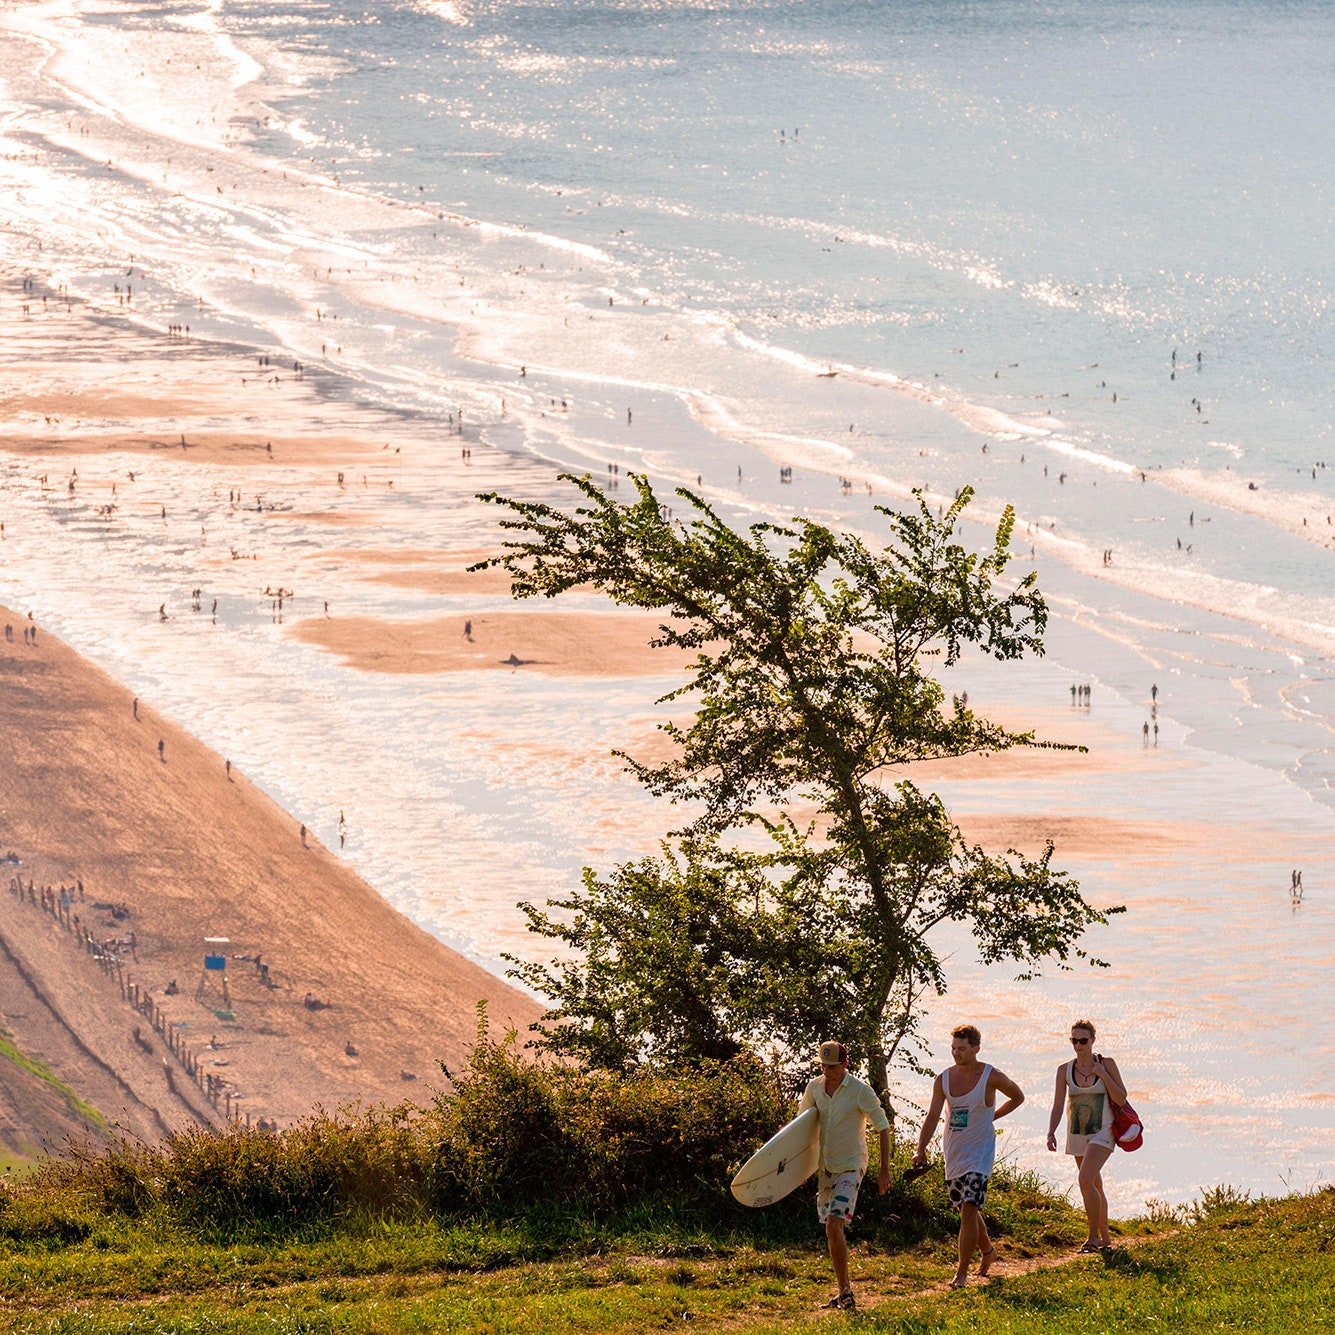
(110, 954)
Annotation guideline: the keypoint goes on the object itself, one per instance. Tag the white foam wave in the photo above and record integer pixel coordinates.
(246, 69)
(977, 416)
(1070, 450)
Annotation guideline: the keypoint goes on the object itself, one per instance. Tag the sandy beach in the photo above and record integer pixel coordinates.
(560, 644)
(331, 994)
(171, 848)
(175, 847)
(281, 294)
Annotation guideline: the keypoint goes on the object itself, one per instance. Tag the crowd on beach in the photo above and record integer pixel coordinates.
(1080, 698)
(60, 901)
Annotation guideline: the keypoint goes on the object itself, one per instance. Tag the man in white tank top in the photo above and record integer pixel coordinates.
(969, 1089)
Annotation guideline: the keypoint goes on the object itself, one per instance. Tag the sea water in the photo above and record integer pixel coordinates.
(1071, 255)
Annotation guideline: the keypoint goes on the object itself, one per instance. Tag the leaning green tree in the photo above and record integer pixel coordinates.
(811, 689)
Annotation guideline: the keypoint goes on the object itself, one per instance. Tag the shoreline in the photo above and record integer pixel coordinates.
(470, 790)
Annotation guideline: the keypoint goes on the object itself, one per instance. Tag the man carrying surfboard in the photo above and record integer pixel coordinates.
(969, 1089)
(844, 1105)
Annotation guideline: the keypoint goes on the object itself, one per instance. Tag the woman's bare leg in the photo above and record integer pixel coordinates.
(1091, 1192)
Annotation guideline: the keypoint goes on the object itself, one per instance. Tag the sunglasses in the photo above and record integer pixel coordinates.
(1080, 1042)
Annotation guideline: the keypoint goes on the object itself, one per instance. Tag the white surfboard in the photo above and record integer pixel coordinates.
(782, 1163)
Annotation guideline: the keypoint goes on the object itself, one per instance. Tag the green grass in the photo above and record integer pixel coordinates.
(15, 1163)
(543, 1199)
(1244, 1266)
(11, 1053)
(1264, 1266)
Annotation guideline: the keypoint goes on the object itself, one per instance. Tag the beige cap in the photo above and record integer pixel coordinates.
(833, 1054)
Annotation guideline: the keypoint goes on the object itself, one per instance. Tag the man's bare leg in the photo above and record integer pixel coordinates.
(971, 1220)
(834, 1235)
(986, 1247)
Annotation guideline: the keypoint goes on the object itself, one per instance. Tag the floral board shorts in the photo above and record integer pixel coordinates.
(969, 1188)
(837, 1195)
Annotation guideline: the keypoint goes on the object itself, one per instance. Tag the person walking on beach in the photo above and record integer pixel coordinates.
(162, 747)
(968, 1089)
(844, 1105)
(1088, 1086)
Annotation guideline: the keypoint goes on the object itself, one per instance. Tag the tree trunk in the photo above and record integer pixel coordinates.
(880, 1082)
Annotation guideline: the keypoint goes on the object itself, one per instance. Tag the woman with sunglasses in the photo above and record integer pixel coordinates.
(1088, 1087)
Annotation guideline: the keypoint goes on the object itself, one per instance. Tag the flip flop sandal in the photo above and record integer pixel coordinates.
(913, 1174)
(1088, 1249)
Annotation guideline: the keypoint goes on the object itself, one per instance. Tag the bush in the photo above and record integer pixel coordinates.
(513, 1137)
(322, 1167)
(558, 1152)
(514, 1132)
(34, 1217)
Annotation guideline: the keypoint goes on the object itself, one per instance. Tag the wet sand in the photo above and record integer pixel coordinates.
(557, 644)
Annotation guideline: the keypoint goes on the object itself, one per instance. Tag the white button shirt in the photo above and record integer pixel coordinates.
(843, 1121)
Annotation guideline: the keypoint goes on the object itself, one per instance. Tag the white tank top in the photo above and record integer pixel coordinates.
(970, 1140)
(1089, 1114)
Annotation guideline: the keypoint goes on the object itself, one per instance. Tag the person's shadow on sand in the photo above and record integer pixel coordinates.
(514, 661)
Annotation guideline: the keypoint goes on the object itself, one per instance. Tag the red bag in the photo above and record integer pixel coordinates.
(1127, 1130)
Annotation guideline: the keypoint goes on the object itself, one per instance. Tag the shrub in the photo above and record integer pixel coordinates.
(558, 1152)
(35, 1217)
(513, 1132)
(323, 1166)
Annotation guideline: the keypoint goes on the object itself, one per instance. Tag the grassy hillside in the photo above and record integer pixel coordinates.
(549, 1200)
(36, 1103)
(12, 1057)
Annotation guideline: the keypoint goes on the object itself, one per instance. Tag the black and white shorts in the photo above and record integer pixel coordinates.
(968, 1188)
